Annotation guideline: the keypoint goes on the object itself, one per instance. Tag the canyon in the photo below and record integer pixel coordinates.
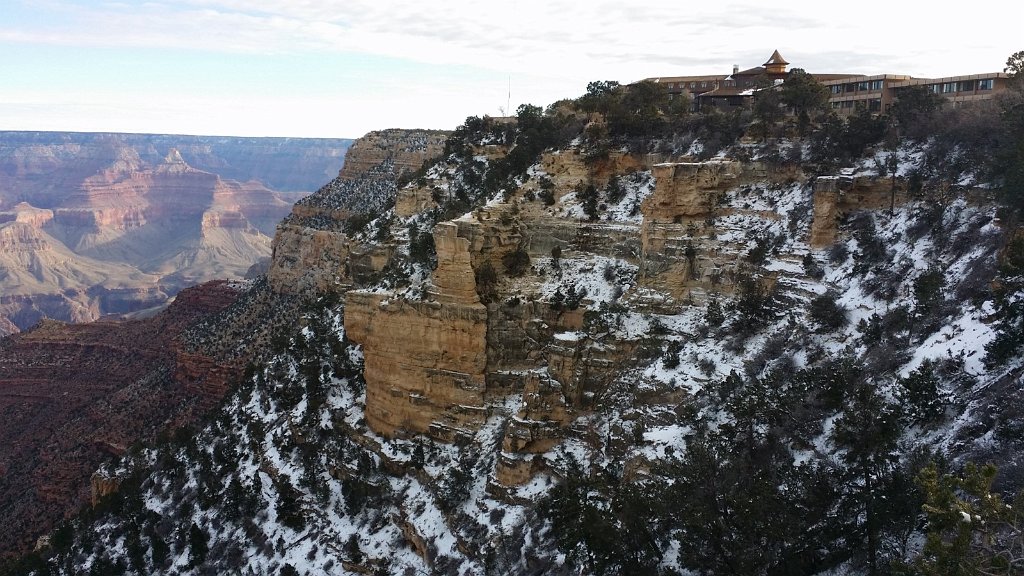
(526, 346)
(98, 224)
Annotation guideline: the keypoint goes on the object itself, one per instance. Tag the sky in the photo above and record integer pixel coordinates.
(341, 68)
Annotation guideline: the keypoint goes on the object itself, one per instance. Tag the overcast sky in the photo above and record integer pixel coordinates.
(340, 68)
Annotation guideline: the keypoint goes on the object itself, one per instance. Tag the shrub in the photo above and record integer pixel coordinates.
(516, 262)
(671, 357)
(486, 282)
(828, 313)
(838, 253)
(421, 246)
(812, 268)
(588, 196)
(928, 291)
(614, 191)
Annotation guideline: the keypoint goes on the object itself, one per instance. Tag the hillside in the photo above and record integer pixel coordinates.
(96, 224)
(615, 338)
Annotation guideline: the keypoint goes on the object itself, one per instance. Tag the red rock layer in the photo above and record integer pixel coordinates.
(72, 394)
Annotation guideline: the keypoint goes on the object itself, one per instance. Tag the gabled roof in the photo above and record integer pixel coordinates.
(776, 59)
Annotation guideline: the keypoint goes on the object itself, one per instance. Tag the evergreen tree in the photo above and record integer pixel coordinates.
(924, 401)
(867, 433)
(805, 95)
(970, 529)
(198, 543)
(714, 316)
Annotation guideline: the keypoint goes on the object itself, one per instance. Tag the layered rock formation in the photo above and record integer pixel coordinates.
(836, 196)
(439, 360)
(425, 361)
(95, 224)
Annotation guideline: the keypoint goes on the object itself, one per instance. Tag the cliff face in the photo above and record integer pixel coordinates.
(405, 149)
(94, 224)
(439, 360)
(425, 361)
(837, 196)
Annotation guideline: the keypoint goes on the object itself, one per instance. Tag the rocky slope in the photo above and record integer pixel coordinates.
(73, 394)
(98, 224)
(550, 355)
(311, 244)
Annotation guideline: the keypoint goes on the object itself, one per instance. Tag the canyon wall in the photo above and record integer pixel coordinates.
(71, 395)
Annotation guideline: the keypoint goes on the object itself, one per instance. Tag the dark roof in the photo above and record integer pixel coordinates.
(751, 72)
(708, 78)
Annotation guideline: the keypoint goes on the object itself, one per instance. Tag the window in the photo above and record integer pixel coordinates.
(875, 105)
(876, 85)
(985, 84)
(935, 88)
(835, 105)
(863, 86)
(949, 88)
(836, 88)
(967, 86)
(849, 87)
(703, 84)
(847, 104)
(693, 84)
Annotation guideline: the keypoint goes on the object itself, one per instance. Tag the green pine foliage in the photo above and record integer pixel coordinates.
(970, 529)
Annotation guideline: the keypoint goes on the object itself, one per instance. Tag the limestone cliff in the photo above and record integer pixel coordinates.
(425, 360)
(440, 358)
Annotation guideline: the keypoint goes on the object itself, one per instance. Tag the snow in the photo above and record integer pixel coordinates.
(965, 337)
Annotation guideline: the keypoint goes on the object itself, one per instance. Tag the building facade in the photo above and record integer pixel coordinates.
(847, 92)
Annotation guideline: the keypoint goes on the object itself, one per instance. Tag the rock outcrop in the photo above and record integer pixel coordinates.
(835, 196)
(425, 360)
(310, 249)
(441, 359)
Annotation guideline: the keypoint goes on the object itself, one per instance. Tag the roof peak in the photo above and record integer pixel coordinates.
(776, 59)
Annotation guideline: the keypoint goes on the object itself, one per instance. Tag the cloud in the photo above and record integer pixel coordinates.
(461, 54)
(545, 37)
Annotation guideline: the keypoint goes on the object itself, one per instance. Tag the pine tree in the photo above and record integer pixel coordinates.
(198, 543)
(970, 529)
(714, 316)
(925, 402)
(867, 434)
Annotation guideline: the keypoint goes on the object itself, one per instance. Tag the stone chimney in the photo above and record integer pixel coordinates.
(735, 68)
